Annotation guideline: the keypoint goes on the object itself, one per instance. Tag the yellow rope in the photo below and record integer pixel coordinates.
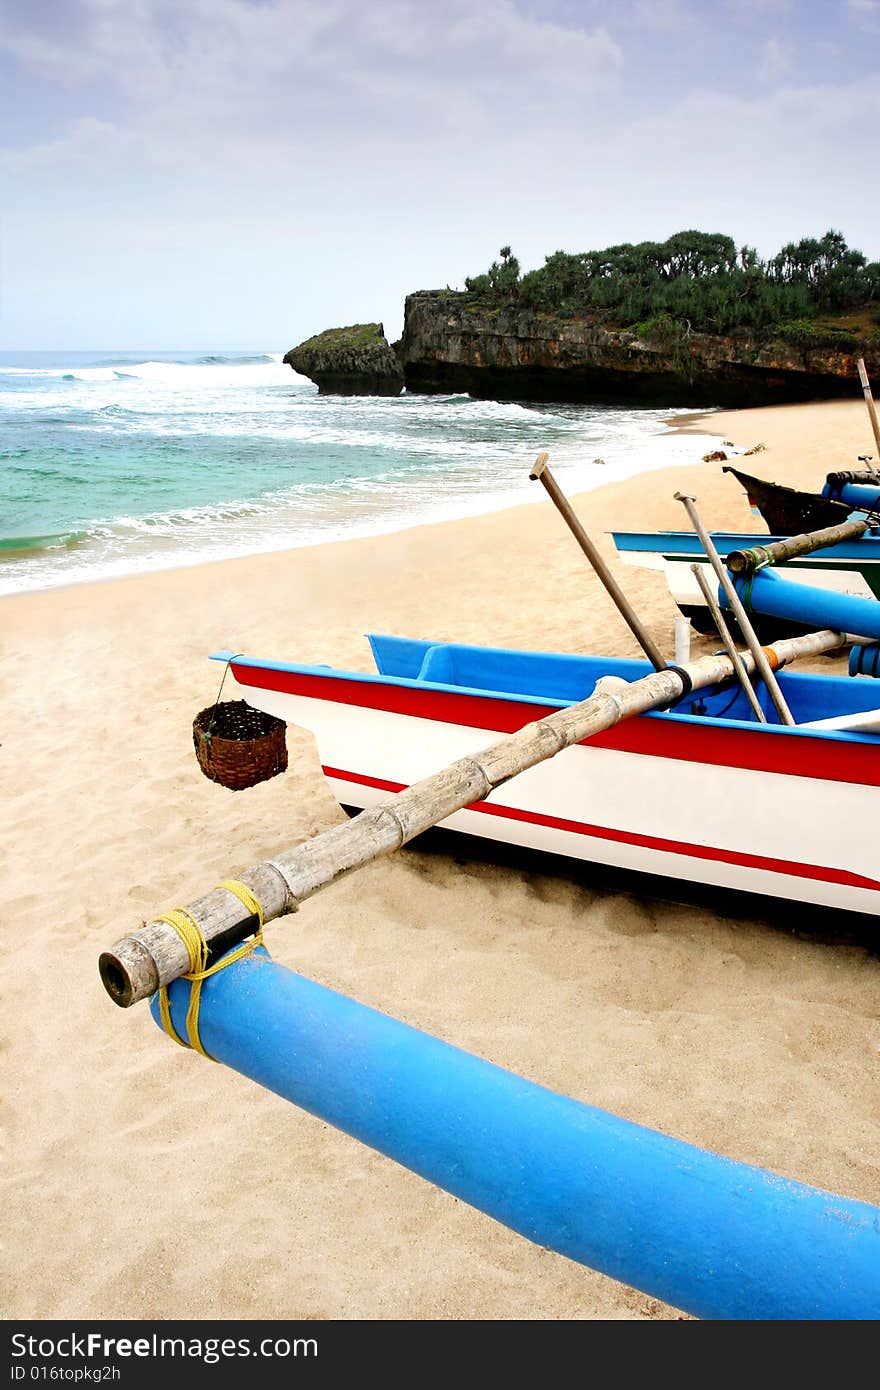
(244, 895)
(193, 938)
(191, 935)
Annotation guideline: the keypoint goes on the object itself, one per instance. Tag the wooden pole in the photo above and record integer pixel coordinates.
(718, 619)
(541, 471)
(869, 402)
(760, 657)
(154, 955)
(777, 552)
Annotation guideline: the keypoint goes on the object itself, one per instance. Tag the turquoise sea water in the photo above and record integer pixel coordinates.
(111, 463)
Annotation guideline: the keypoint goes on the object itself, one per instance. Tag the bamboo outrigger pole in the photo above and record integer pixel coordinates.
(869, 402)
(777, 552)
(618, 597)
(155, 955)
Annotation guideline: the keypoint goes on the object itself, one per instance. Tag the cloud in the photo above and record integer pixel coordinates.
(775, 61)
(754, 160)
(397, 68)
(83, 39)
(669, 16)
(288, 162)
(866, 14)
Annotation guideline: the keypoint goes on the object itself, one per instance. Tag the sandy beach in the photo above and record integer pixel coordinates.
(144, 1182)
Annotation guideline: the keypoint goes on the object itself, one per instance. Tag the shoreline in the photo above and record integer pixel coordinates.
(430, 511)
(692, 425)
(725, 1032)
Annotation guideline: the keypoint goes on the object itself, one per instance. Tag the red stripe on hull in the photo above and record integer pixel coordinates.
(759, 750)
(626, 837)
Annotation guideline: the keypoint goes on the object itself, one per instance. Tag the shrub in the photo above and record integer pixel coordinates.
(699, 280)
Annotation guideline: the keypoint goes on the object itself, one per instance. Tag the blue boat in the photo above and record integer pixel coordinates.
(852, 567)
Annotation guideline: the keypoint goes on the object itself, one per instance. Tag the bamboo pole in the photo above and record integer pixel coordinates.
(540, 470)
(682, 640)
(718, 619)
(777, 552)
(154, 955)
(869, 402)
(764, 668)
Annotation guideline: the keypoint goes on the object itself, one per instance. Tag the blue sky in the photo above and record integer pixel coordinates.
(242, 173)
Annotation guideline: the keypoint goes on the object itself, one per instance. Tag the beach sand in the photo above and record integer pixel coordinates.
(144, 1182)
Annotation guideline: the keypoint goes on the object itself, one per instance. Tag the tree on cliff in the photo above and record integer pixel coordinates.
(502, 277)
(698, 279)
(836, 275)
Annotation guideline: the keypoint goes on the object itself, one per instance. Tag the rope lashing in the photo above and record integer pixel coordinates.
(760, 557)
(747, 593)
(194, 940)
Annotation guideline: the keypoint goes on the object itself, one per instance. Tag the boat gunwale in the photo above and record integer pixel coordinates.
(672, 544)
(843, 736)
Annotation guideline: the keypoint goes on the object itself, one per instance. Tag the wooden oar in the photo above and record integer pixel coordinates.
(777, 552)
(764, 669)
(869, 402)
(541, 470)
(155, 955)
(718, 619)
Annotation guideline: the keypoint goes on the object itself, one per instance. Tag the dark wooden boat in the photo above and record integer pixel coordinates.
(786, 511)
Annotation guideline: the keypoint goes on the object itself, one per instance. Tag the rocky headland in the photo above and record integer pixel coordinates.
(455, 341)
(352, 361)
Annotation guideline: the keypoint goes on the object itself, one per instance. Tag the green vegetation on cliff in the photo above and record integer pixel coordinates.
(701, 281)
(356, 337)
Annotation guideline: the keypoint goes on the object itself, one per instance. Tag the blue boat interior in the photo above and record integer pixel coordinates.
(558, 679)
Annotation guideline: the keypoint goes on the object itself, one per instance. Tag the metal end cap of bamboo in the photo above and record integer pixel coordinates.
(128, 972)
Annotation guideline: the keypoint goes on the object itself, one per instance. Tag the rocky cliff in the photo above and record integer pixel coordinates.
(452, 342)
(353, 361)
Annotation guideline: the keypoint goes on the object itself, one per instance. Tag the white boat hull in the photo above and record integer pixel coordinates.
(778, 827)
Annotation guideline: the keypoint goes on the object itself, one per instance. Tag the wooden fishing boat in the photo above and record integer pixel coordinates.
(699, 793)
(853, 567)
(786, 510)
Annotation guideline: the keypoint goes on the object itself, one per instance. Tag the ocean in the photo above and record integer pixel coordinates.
(120, 462)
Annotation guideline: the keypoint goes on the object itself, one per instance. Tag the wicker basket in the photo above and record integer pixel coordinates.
(238, 745)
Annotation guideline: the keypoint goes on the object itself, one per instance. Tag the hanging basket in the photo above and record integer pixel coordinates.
(238, 745)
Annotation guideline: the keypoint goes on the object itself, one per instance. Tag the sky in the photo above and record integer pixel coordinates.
(243, 173)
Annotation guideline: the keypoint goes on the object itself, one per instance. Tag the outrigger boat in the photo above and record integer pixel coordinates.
(699, 792)
(852, 567)
(654, 767)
